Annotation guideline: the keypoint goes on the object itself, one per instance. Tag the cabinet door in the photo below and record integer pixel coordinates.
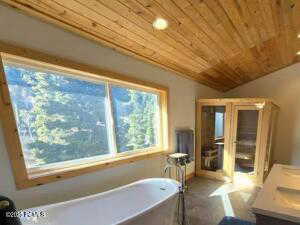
(245, 140)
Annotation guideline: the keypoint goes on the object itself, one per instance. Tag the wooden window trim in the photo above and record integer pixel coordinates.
(9, 126)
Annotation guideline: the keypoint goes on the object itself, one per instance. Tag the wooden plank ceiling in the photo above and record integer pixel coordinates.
(219, 43)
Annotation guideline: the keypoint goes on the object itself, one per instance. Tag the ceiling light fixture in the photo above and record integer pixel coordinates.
(298, 36)
(160, 24)
(298, 53)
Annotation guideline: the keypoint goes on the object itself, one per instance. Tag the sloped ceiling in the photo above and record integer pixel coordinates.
(219, 43)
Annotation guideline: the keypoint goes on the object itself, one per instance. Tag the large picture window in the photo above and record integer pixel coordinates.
(66, 119)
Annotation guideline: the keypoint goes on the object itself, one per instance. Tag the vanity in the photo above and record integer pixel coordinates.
(278, 203)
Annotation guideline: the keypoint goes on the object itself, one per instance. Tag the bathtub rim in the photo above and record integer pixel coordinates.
(130, 217)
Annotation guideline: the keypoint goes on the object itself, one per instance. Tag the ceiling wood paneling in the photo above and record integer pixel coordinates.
(219, 43)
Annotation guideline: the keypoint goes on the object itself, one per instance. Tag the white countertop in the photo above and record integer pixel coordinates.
(267, 203)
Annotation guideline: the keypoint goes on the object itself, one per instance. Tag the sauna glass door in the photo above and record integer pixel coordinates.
(245, 139)
(212, 136)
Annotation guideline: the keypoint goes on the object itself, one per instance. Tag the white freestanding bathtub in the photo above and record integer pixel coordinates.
(145, 202)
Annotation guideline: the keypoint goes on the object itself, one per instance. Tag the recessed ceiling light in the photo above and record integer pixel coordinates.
(160, 24)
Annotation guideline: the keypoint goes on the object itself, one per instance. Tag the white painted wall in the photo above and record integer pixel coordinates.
(283, 87)
(29, 32)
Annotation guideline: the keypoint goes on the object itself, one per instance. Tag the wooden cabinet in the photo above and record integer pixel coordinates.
(234, 138)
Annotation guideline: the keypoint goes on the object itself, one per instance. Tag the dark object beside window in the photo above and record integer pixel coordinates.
(8, 207)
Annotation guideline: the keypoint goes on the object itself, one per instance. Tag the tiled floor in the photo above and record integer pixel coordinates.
(208, 201)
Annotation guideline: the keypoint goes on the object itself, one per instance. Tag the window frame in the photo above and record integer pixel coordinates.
(25, 178)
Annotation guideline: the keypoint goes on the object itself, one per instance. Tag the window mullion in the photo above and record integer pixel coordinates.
(110, 121)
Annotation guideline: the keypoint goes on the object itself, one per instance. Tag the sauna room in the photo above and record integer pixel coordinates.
(149, 112)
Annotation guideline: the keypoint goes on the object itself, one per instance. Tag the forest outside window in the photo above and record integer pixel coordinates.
(66, 120)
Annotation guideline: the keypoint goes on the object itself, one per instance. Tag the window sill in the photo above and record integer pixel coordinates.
(41, 177)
